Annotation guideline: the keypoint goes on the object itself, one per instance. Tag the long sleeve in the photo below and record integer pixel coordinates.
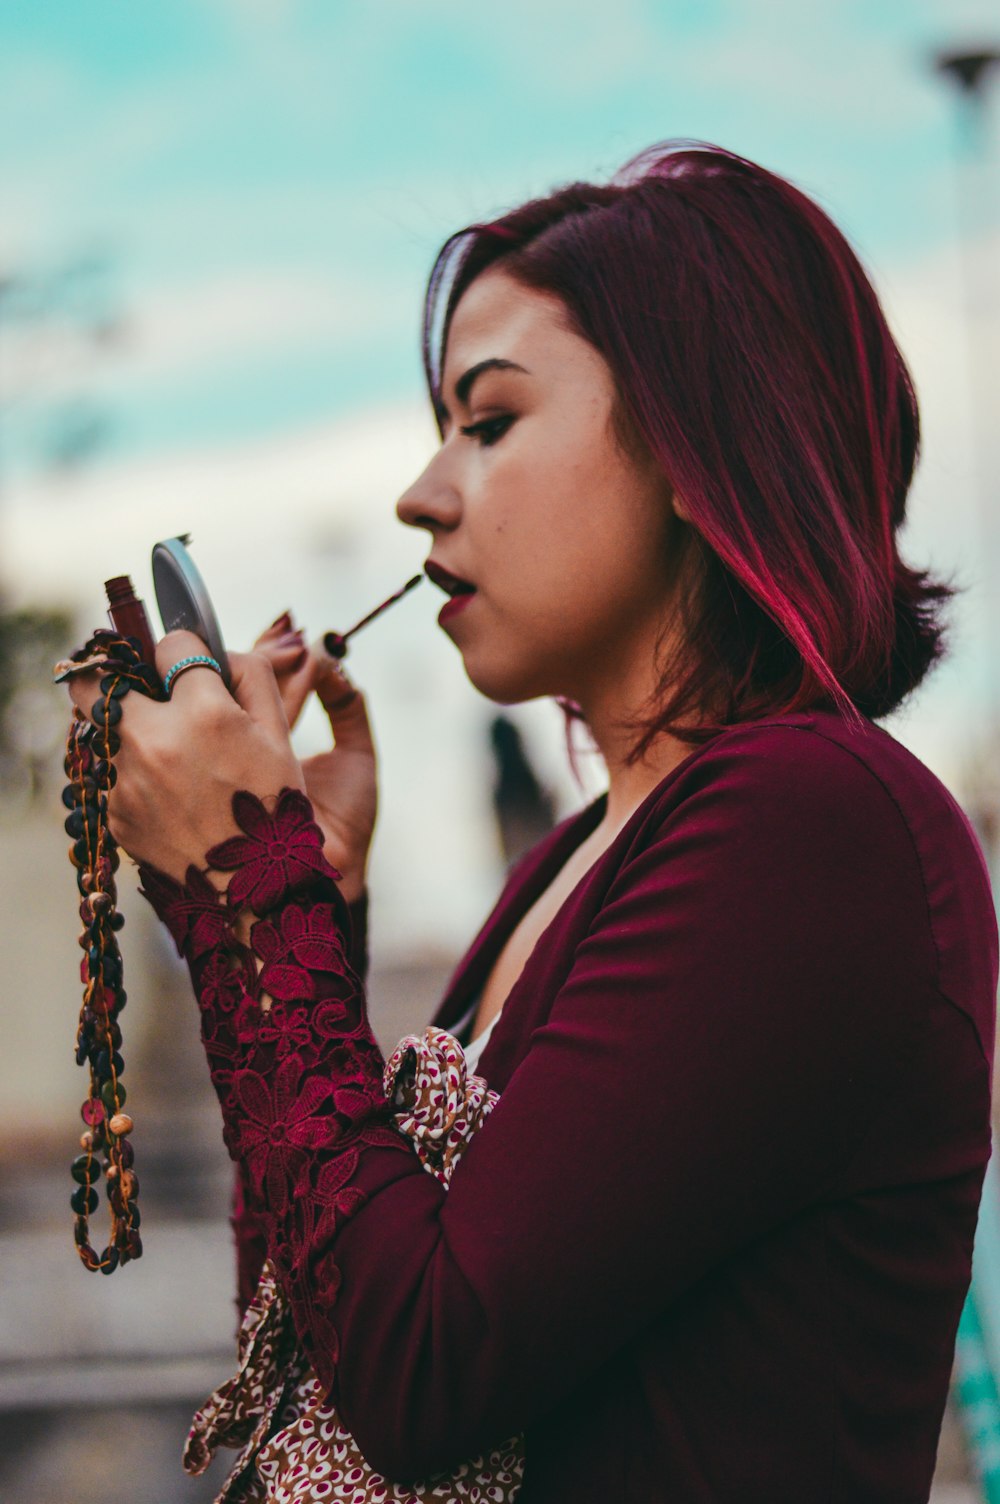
(247, 1221)
(306, 958)
(723, 1043)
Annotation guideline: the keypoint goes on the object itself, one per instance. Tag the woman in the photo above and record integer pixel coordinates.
(714, 1240)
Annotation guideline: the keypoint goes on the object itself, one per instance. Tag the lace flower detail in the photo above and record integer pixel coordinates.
(274, 1124)
(279, 1029)
(191, 912)
(333, 1198)
(276, 852)
(224, 980)
(301, 943)
(285, 1031)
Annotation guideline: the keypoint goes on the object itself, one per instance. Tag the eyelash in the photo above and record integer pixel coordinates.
(489, 431)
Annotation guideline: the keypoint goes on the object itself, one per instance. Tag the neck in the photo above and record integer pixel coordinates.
(612, 711)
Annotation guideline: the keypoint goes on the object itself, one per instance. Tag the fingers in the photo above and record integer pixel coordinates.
(344, 704)
(282, 641)
(256, 691)
(84, 692)
(199, 684)
(285, 648)
(282, 623)
(90, 704)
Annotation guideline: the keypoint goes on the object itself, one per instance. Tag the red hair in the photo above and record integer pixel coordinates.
(752, 358)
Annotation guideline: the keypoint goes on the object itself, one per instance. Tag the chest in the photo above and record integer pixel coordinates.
(513, 955)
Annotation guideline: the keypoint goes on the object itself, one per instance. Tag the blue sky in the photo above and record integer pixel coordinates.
(269, 180)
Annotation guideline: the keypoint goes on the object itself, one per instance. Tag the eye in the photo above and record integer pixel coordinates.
(489, 430)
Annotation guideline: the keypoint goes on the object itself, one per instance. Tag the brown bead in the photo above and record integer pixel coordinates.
(121, 1124)
(111, 1171)
(84, 1169)
(99, 903)
(129, 1185)
(87, 1142)
(89, 1258)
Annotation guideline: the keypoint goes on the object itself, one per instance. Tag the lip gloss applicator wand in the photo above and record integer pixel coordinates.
(336, 642)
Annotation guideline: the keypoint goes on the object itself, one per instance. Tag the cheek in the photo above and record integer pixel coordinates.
(546, 516)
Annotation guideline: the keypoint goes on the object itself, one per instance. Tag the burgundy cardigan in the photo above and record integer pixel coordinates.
(713, 1243)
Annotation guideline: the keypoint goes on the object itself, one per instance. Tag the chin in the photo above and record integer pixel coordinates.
(506, 683)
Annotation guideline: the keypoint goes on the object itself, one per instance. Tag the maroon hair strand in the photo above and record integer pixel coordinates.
(752, 358)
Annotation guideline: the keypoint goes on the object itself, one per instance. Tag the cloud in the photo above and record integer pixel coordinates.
(183, 336)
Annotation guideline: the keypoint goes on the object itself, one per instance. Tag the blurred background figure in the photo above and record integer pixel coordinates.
(523, 809)
(218, 219)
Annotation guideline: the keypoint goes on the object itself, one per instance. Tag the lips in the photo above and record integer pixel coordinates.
(451, 584)
(460, 592)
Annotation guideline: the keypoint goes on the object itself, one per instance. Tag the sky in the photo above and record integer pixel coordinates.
(266, 182)
(218, 222)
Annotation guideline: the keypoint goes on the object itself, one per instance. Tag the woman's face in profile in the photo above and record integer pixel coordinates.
(532, 501)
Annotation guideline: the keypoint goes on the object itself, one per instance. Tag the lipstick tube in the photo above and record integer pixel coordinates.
(127, 615)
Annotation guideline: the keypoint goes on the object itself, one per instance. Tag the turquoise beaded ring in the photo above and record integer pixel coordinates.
(197, 660)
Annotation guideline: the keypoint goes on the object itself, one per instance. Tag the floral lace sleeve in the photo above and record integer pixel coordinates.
(299, 1079)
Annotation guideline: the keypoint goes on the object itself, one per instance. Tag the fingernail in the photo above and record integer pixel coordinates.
(68, 668)
(334, 672)
(284, 620)
(292, 639)
(343, 701)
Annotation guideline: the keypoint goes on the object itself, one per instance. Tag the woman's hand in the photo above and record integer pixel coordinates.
(182, 760)
(284, 646)
(341, 783)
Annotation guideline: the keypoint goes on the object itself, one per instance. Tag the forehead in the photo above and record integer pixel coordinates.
(498, 316)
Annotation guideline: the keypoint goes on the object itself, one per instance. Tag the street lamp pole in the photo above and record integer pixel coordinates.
(977, 1354)
(972, 73)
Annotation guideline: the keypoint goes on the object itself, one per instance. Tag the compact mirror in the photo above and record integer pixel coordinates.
(184, 603)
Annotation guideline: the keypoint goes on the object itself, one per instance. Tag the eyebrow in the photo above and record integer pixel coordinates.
(465, 383)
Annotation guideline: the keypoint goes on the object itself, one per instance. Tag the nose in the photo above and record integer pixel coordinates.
(432, 501)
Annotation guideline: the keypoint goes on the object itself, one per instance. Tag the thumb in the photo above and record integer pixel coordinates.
(344, 705)
(255, 690)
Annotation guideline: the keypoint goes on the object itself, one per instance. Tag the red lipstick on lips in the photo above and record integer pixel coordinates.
(460, 591)
(452, 607)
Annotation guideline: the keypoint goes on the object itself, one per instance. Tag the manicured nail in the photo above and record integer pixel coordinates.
(292, 639)
(283, 621)
(68, 668)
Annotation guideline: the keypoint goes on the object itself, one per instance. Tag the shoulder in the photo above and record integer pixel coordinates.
(794, 781)
(813, 771)
(788, 825)
(808, 817)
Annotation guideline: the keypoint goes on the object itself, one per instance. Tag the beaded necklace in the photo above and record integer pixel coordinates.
(106, 1149)
(125, 661)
